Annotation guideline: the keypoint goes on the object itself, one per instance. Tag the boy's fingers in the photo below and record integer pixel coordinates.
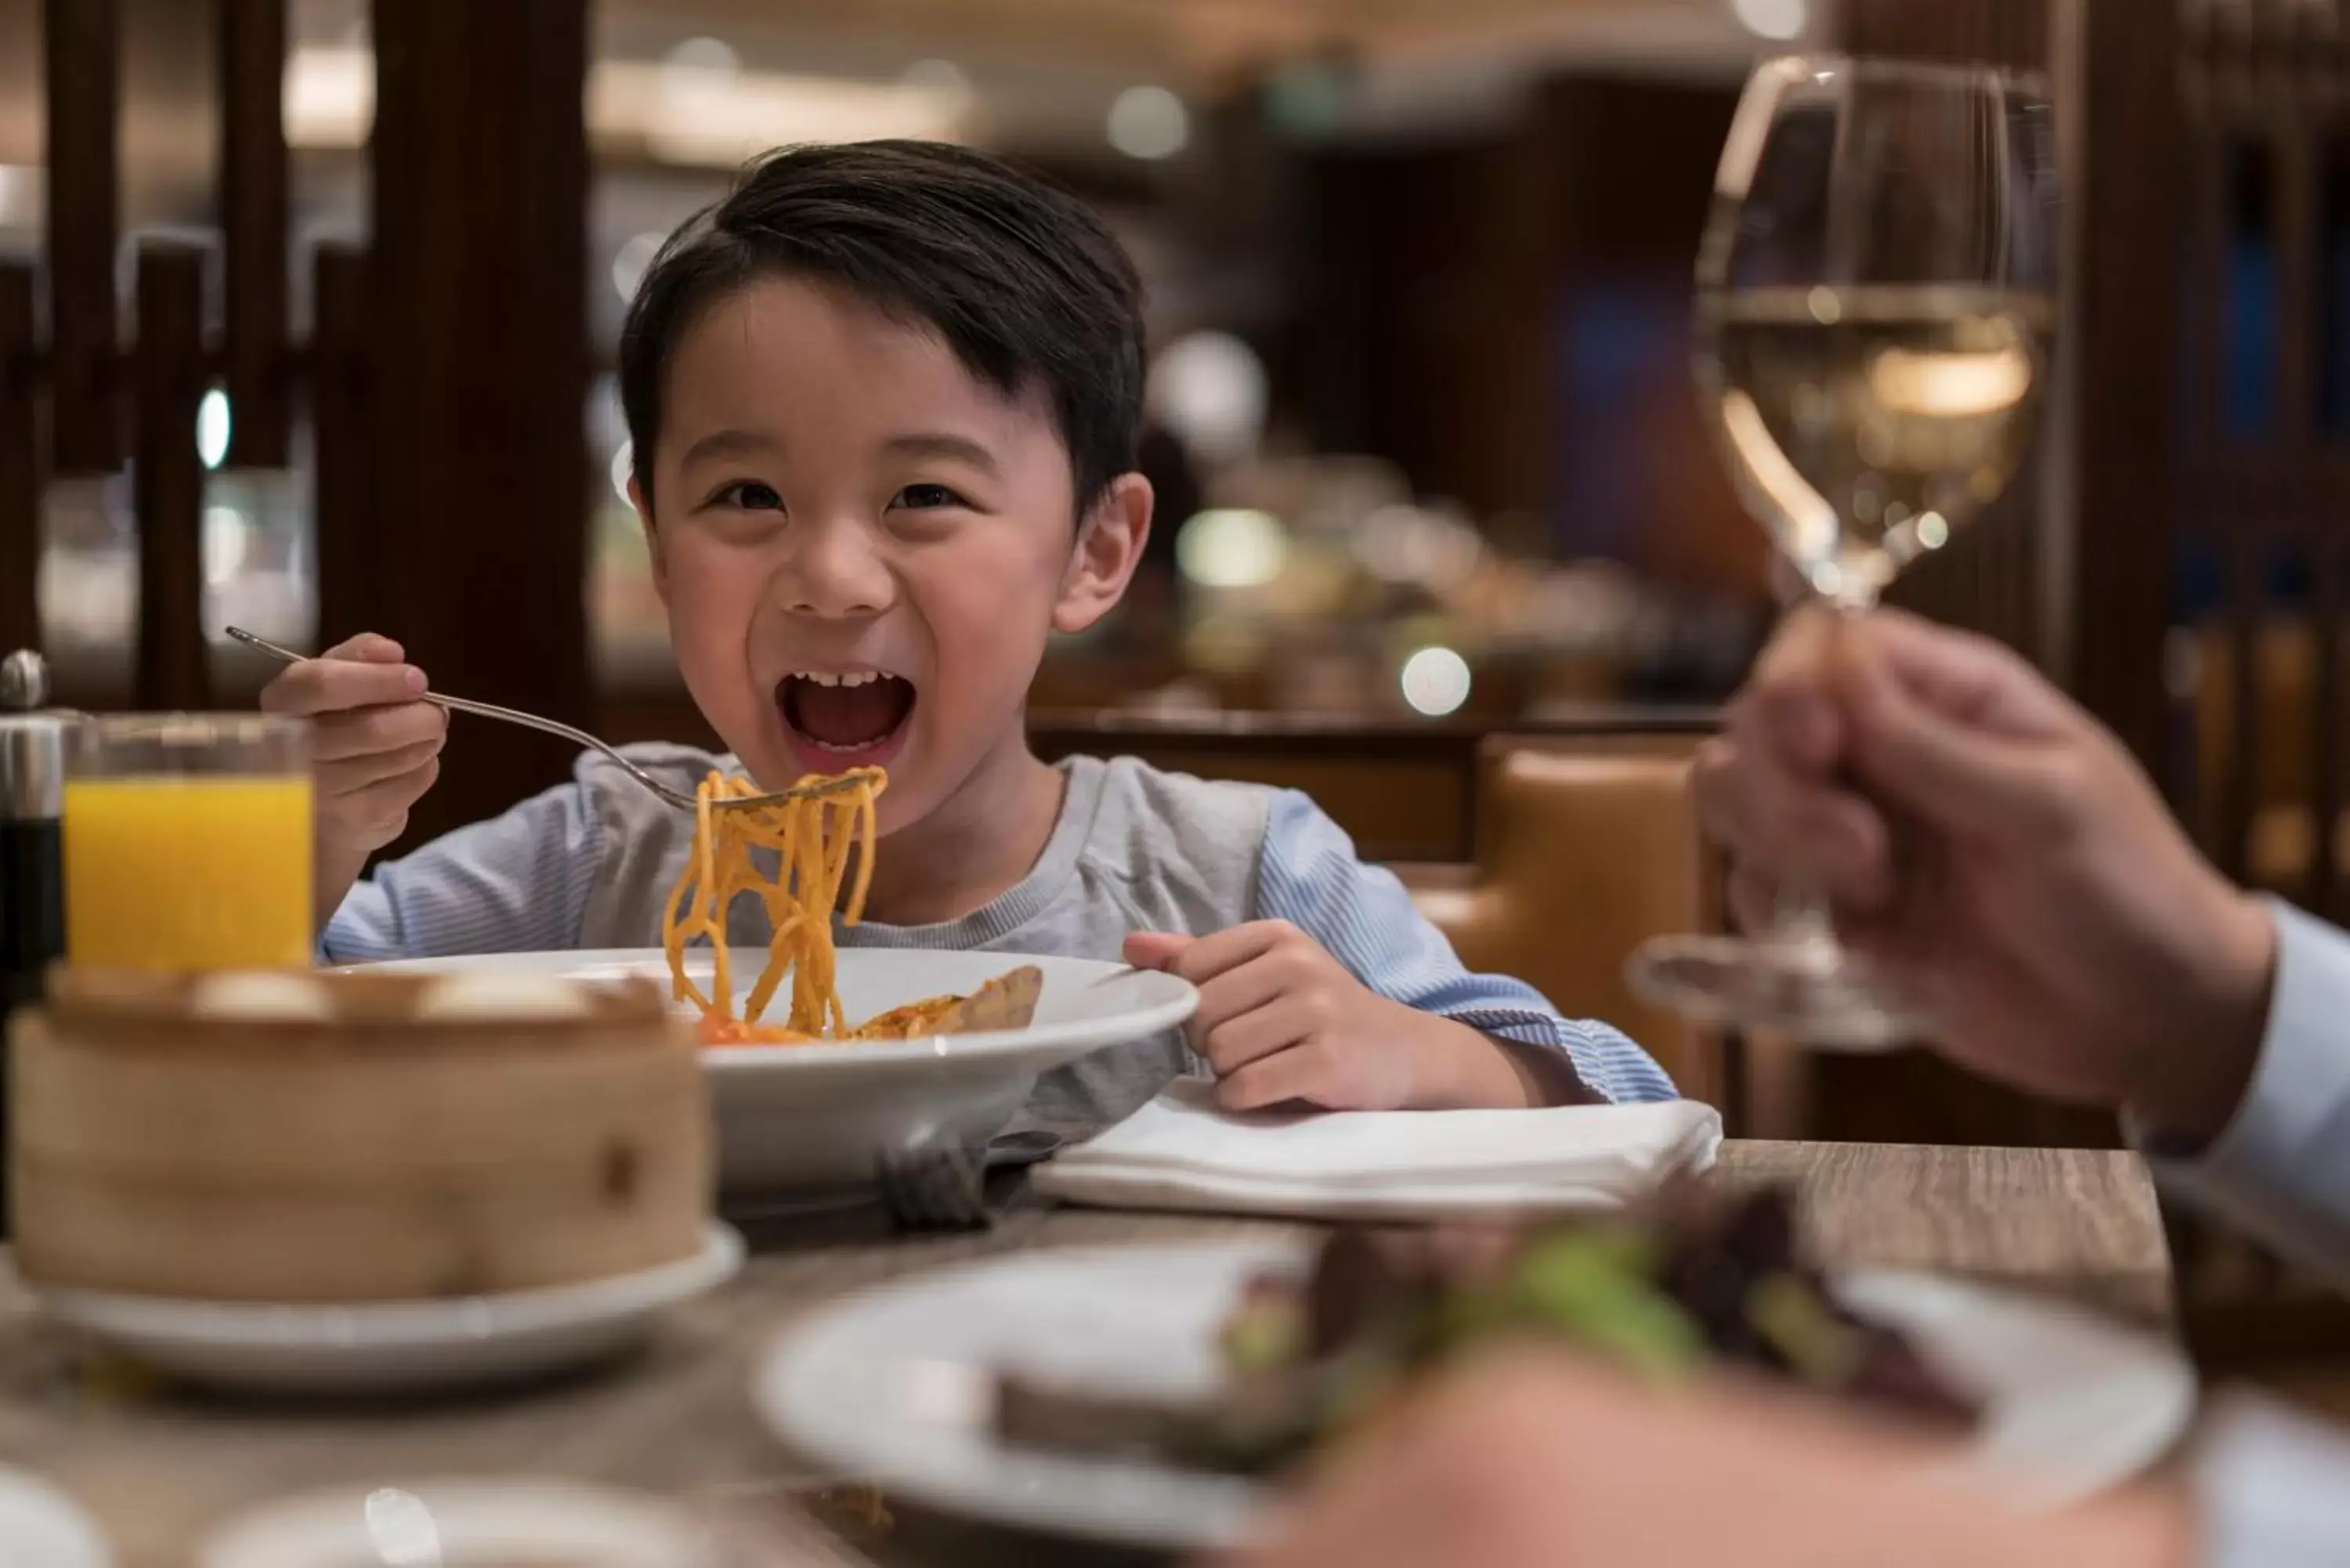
(1154, 949)
(1254, 1035)
(354, 774)
(319, 686)
(367, 647)
(1204, 959)
(344, 736)
(1234, 994)
(1270, 1081)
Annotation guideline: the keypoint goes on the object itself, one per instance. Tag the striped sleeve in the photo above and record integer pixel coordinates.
(517, 883)
(1310, 877)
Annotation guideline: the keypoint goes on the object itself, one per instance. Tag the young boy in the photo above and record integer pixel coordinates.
(884, 401)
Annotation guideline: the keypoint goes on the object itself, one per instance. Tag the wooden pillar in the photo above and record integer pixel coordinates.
(352, 557)
(20, 465)
(479, 327)
(168, 481)
(82, 41)
(253, 229)
(2116, 66)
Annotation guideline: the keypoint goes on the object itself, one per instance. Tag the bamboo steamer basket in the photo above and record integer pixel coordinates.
(202, 1139)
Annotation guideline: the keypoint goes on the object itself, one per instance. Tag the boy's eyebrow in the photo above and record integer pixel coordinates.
(727, 443)
(930, 444)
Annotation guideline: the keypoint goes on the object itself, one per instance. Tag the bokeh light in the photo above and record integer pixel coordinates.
(1436, 681)
(212, 428)
(1149, 123)
(1210, 389)
(629, 263)
(1778, 20)
(1232, 549)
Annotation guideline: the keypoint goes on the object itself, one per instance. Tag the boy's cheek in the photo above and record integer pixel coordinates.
(710, 615)
(708, 598)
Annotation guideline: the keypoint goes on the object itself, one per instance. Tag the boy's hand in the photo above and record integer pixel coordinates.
(376, 749)
(1280, 1019)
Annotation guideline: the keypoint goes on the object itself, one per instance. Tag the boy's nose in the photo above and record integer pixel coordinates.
(837, 571)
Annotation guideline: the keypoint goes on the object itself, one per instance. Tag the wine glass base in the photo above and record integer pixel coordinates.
(1815, 993)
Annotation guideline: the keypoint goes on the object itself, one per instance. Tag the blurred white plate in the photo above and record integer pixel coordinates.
(820, 1116)
(893, 1388)
(380, 1346)
(41, 1527)
(459, 1523)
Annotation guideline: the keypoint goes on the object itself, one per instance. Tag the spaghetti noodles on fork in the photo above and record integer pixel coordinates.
(811, 840)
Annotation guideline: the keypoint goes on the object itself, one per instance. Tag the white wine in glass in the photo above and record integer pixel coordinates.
(1866, 423)
(1875, 313)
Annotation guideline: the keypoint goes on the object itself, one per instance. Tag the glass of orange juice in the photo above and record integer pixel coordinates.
(187, 842)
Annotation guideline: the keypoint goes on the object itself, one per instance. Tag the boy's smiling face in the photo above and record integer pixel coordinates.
(862, 546)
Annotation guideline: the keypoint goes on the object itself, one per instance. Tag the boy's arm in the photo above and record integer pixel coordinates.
(1310, 877)
(515, 883)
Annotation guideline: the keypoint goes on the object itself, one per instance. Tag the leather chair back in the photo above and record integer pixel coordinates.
(1586, 849)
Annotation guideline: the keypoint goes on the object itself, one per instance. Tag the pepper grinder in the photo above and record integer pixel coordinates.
(32, 859)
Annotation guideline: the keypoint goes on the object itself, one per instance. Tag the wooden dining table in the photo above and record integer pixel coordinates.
(161, 1469)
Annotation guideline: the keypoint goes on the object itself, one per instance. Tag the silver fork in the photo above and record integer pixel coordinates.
(581, 737)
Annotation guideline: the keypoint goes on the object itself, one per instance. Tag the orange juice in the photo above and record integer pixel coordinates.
(188, 872)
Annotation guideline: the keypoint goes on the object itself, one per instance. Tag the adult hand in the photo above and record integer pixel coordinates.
(2002, 857)
(1536, 1461)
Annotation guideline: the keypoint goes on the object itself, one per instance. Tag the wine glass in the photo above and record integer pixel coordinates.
(1875, 308)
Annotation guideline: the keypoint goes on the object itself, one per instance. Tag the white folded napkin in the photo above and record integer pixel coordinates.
(1180, 1152)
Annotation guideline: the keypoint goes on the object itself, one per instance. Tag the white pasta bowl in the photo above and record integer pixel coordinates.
(804, 1118)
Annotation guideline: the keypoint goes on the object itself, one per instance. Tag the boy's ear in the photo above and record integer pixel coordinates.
(1109, 546)
(652, 537)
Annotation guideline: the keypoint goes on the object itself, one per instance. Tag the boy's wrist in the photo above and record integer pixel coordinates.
(1457, 1068)
(333, 874)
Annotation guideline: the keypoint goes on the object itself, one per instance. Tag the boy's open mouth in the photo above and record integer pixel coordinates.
(845, 712)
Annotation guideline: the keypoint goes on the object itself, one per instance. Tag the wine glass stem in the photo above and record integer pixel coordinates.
(1801, 916)
(1802, 920)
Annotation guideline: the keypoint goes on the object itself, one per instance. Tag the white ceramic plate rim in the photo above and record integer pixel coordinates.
(596, 1526)
(1196, 1511)
(1057, 1494)
(1176, 1003)
(328, 1325)
(42, 1527)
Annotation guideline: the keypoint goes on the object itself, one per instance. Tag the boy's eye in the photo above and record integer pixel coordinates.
(750, 495)
(926, 498)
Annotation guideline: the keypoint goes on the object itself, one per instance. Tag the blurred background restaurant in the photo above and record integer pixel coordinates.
(308, 309)
(1418, 279)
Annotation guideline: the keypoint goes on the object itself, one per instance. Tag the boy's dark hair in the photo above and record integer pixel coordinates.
(1022, 280)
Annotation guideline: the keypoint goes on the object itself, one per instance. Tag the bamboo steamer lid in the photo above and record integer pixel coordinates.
(351, 1137)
